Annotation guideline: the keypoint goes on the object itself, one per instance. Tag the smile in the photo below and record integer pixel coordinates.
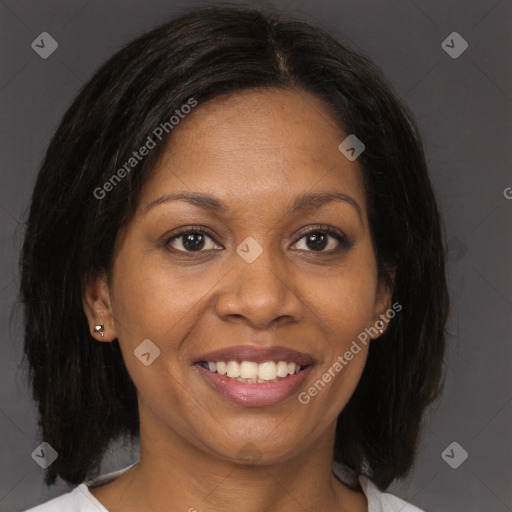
(252, 372)
(254, 376)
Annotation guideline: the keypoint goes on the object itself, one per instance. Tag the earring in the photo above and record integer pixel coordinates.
(380, 325)
(99, 329)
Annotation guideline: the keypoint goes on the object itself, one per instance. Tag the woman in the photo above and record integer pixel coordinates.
(234, 254)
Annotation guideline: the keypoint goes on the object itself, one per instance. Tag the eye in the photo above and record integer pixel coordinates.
(317, 239)
(192, 239)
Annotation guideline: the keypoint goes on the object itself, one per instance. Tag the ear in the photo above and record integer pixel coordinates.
(383, 301)
(97, 305)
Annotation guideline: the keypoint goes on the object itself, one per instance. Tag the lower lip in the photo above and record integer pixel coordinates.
(254, 394)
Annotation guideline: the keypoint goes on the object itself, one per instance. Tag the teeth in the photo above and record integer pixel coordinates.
(251, 372)
(282, 369)
(221, 367)
(267, 371)
(233, 369)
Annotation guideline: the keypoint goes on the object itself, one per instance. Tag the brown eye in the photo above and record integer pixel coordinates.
(191, 240)
(318, 240)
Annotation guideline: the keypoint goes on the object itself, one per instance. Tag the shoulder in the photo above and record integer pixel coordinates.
(379, 501)
(78, 500)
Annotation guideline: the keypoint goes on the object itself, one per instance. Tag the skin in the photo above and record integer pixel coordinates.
(256, 151)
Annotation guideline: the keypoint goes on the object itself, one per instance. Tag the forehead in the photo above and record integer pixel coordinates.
(256, 147)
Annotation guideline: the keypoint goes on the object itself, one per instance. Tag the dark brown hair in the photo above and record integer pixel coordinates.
(85, 396)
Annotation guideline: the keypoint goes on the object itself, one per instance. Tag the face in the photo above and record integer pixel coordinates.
(278, 255)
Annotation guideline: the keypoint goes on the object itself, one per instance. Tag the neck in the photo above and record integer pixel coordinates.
(173, 472)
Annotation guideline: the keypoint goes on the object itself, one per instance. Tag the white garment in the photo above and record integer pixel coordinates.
(81, 500)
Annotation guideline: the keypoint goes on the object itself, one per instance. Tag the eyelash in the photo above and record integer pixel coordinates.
(343, 240)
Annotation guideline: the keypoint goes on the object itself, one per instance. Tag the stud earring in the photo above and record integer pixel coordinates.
(99, 329)
(380, 325)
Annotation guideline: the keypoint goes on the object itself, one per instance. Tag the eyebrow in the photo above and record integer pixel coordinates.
(305, 202)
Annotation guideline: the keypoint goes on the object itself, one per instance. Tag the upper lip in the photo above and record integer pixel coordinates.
(257, 354)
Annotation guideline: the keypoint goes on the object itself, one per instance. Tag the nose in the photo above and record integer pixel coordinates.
(262, 293)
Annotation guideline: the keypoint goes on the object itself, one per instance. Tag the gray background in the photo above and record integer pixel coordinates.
(463, 107)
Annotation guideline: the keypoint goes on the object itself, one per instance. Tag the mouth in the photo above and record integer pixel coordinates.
(253, 376)
(252, 372)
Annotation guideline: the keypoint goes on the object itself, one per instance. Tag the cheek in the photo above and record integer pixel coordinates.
(344, 309)
(345, 301)
(149, 300)
(149, 304)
